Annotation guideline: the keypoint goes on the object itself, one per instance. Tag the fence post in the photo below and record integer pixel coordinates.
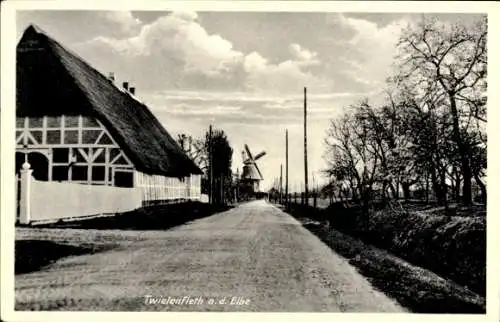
(25, 197)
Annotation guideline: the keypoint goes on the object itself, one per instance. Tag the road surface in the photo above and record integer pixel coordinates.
(251, 258)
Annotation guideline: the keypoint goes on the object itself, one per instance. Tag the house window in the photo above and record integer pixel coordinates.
(98, 173)
(124, 179)
(53, 137)
(61, 155)
(80, 173)
(60, 173)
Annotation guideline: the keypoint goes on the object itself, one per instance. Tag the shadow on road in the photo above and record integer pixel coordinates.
(35, 254)
(159, 217)
(32, 255)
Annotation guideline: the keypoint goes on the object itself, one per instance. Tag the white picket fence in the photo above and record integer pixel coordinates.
(157, 188)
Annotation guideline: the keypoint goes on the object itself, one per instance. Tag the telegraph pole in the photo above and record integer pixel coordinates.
(281, 182)
(286, 166)
(210, 197)
(306, 192)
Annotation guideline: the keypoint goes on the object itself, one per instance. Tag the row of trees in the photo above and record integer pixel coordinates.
(213, 154)
(430, 132)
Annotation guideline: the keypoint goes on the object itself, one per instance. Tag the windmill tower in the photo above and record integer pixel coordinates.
(251, 175)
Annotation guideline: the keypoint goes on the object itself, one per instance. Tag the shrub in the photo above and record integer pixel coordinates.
(451, 246)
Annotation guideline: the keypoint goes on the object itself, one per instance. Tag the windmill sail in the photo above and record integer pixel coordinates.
(260, 155)
(258, 170)
(250, 169)
(249, 154)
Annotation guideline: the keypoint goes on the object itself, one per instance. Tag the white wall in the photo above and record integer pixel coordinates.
(56, 200)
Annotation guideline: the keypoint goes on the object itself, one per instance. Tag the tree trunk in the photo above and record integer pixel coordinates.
(457, 185)
(444, 188)
(462, 150)
(216, 191)
(384, 191)
(393, 190)
(467, 186)
(427, 188)
(406, 190)
(436, 185)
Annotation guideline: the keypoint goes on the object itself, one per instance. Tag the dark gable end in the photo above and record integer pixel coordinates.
(53, 81)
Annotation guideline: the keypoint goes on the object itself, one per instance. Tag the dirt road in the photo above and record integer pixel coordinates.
(251, 258)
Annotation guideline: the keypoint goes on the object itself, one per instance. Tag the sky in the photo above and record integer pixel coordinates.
(242, 72)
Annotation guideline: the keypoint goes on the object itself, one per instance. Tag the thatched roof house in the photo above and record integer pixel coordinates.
(52, 81)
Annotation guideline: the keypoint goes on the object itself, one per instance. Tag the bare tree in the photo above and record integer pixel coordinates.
(448, 63)
(195, 149)
(352, 154)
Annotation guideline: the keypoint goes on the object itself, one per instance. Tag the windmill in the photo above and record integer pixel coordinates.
(251, 175)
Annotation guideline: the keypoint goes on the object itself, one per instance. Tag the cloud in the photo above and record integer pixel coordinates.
(370, 49)
(123, 19)
(194, 56)
(185, 15)
(303, 56)
(180, 37)
(242, 108)
(286, 76)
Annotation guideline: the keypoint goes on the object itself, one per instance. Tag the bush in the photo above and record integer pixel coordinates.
(453, 247)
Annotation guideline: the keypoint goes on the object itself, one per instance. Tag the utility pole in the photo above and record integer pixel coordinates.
(315, 191)
(306, 193)
(281, 182)
(286, 166)
(210, 197)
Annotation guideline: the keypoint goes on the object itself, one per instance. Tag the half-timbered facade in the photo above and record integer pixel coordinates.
(73, 124)
(77, 149)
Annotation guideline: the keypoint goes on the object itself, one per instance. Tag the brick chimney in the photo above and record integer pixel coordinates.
(111, 76)
(132, 90)
(125, 86)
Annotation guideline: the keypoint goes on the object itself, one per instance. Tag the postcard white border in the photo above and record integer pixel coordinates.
(8, 39)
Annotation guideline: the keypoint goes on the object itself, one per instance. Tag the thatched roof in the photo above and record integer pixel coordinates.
(53, 81)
